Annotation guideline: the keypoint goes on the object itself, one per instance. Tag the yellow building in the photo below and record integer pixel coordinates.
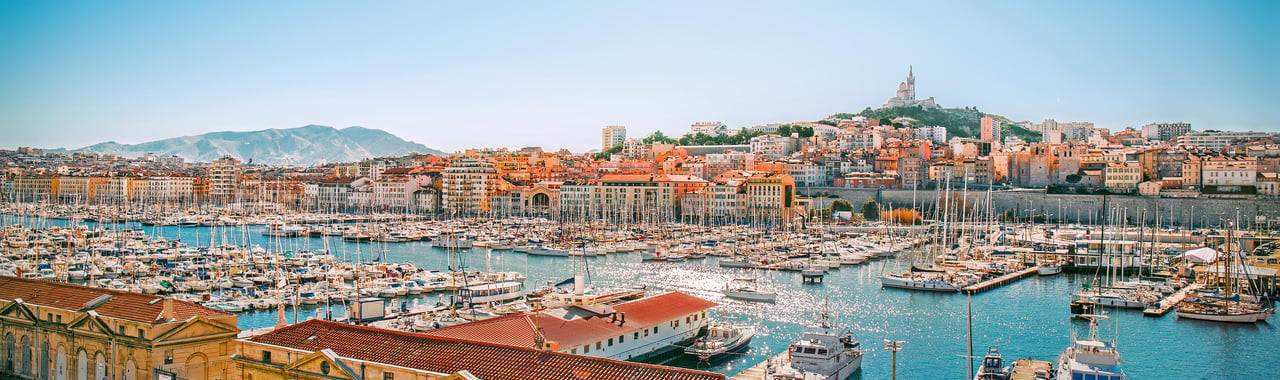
(53, 330)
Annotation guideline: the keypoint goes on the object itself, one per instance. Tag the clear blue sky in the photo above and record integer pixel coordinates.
(454, 74)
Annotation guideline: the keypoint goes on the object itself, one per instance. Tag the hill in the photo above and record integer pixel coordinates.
(960, 122)
(308, 145)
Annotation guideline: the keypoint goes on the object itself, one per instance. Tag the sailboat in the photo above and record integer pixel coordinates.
(1228, 306)
(746, 288)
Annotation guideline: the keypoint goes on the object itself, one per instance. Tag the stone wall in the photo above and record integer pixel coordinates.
(1196, 212)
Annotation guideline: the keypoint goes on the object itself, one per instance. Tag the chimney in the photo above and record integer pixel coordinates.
(167, 313)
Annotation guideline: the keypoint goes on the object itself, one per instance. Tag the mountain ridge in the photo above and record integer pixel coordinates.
(306, 145)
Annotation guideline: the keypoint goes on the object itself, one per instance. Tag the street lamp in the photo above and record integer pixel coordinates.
(894, 346)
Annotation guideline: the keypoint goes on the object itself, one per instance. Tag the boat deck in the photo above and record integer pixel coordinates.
(757, 372)
(1025, 369)
(1168, 303)
(999, 281)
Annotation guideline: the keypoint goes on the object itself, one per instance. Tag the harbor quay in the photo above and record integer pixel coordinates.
(521, 282)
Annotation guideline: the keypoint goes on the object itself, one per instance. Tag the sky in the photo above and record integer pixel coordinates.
(459, 74)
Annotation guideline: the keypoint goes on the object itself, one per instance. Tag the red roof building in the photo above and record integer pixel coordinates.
(626, 331)
(319, 349)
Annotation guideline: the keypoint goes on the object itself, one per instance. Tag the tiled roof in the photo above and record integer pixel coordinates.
(124, 305)
(518, 330)
(444, 355)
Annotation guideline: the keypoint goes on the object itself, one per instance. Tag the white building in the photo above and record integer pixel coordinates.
(710, 128)
(1229, 173)
(1216, 139)
(612, 136)
(937, 134)
(771, 146)
(224, 179)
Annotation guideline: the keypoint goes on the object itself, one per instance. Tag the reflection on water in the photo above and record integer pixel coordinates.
(1026, 319)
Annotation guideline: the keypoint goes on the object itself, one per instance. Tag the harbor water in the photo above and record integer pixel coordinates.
(1026, 319)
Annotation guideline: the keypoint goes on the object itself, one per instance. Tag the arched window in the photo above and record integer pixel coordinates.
(82, 365)
(8, 352)
(130, 370)
(60, 365)
(100, 366)
(44, 360)
(26, 355)
(196, 366)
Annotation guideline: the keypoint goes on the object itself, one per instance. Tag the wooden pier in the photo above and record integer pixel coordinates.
(1168, 303)
(1000, 281)
(757, 372)
(1025, 369)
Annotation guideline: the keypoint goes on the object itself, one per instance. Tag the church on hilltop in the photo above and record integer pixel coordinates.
(906, 95)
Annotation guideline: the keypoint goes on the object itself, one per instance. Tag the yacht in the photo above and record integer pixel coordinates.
(745, 288)
(492, 292)
(1049, 269)
(821, 353)
(722, 338)
(1091, 358)
(993, 367)
(929, 281)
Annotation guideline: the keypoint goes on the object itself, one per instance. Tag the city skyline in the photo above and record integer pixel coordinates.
(531, 75)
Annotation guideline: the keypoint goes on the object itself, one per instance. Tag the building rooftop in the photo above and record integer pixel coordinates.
(446, 355)
(123, 305)
(573, 326)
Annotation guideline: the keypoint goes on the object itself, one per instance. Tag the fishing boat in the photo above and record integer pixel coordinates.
(1090, 358)
(820, 353)
(746, 288)
(722, 338)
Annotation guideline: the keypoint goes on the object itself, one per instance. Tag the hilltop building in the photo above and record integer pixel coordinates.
(906, 95)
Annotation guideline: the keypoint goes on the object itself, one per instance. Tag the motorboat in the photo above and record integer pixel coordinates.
(747, 288)
(721, 339)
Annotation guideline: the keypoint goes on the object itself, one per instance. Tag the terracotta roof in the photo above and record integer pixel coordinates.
(123, 305)
(518, 330)
(444, 355)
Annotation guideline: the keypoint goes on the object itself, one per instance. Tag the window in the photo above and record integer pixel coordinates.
(610, 342)
(637, 335)
(573, 351)
(598, 345)
(388, 376)
(121, 328)
(59, 318)
(266, 356)
(586, 349)
(142, 335)
(622, 338)
(686, 319)
(646, 332)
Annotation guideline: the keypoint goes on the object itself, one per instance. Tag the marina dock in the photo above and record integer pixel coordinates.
(1025, 369)
(999, 281)
(757, 372)
(1169, 302)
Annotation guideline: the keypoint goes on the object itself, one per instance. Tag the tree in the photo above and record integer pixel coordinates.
(871, 210)
(658, 138)
(841, 205)
(1074, 178)
(805, 132)
(784, 130)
